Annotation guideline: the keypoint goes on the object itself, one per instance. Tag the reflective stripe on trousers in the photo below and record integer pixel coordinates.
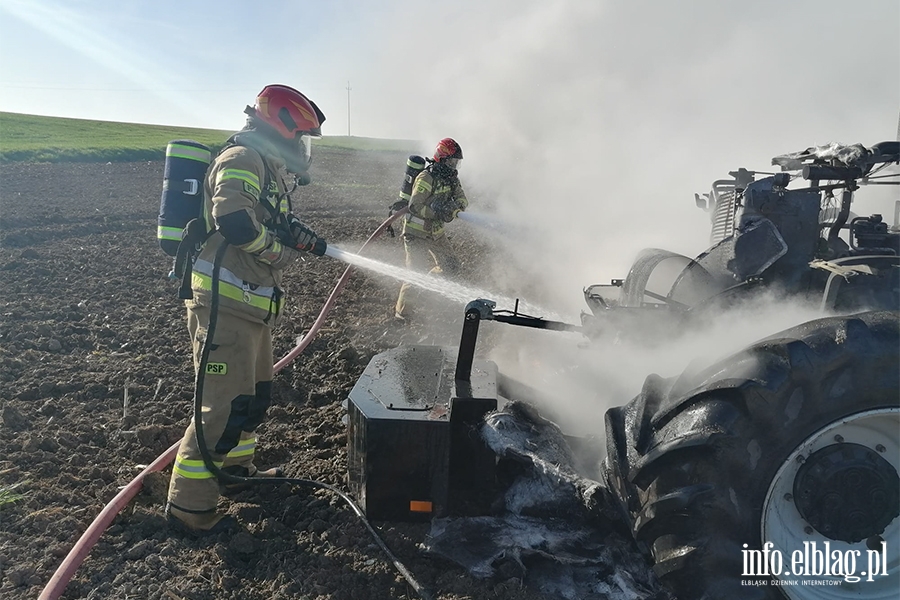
(196, 469)
(230, 399)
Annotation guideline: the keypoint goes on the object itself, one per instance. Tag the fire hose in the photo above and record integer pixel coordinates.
(85, 543)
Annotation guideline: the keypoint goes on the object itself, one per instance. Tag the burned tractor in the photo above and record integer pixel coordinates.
(791, 445)
(769, 238)
(796, 439)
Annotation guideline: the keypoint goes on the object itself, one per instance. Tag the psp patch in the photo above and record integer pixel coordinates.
(216, 368)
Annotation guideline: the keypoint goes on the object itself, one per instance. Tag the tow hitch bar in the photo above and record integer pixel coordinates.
(483, 310)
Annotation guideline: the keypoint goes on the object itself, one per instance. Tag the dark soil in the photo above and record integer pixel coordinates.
(90, 318)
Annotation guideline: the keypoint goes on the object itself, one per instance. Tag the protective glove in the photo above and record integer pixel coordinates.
(304, 238)
(399, 205)
(396, 207)
(445, 209)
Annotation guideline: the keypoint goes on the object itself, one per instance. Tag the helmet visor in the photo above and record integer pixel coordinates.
(304, 148)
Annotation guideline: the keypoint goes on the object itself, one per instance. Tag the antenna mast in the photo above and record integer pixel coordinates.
(348, 108)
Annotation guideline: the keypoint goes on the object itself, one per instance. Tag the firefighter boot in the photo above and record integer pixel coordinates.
(200, 523)
(403, 310)
(242, 471)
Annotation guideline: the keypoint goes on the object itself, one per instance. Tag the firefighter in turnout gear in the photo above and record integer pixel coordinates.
(247, 205)
(437, 198)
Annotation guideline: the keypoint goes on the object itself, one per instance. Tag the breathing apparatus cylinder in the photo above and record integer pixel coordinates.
(182, 194)
(414, 166)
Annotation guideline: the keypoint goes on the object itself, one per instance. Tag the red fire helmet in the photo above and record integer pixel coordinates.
(289, 112)
(447, 148)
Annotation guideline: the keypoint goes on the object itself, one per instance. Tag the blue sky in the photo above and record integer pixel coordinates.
(198, 62)
(182, 63)
(580, 115)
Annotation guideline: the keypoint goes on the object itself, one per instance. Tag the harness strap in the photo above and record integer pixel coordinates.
(195, 234)
(192, 239)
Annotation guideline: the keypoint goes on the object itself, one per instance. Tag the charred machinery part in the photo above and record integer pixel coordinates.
(415, 451)
(767, 236)
(721, 207)
(414, 448)
(858, 280)
(742, 178)
(515, 318)
(834, 242)
(483, 310)
(870, 234)
(793, 439)
(476, 310)
(847, 491)
(825, 172)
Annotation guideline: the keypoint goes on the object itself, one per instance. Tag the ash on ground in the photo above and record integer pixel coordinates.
(555, 529)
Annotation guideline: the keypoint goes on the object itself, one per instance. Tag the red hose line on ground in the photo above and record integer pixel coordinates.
(85, 543)
(79, 552)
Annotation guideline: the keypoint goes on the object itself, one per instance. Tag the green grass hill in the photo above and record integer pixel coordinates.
(54, 139)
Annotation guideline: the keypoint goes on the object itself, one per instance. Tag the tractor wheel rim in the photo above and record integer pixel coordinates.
(785, 527)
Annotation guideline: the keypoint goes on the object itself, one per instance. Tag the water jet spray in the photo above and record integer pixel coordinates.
(439, 285)
(693, 463)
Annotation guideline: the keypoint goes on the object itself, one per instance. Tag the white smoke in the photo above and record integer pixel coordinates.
(580, 380)
(590, 125)
(594, 123)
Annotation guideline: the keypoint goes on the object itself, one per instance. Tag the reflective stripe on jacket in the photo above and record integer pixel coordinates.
(266, 298)
(249, 285)
(169, 233)
(428, 189)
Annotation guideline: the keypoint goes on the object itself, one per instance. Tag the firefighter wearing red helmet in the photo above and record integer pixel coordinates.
(248, 215)
(437, 198)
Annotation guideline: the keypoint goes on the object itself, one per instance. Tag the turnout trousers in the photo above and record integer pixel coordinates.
(237, 391)
(434, 256)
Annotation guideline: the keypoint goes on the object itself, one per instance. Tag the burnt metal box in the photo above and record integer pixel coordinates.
(413, 441)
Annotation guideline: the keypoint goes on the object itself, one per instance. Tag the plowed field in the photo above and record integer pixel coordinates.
(89, 319)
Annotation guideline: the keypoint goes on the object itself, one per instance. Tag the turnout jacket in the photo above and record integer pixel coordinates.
(251, 269)
(428, 190)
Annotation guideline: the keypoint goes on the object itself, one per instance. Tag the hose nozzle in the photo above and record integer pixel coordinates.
(484, 307)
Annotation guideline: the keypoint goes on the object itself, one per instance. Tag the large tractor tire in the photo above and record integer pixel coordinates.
(793, 440)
